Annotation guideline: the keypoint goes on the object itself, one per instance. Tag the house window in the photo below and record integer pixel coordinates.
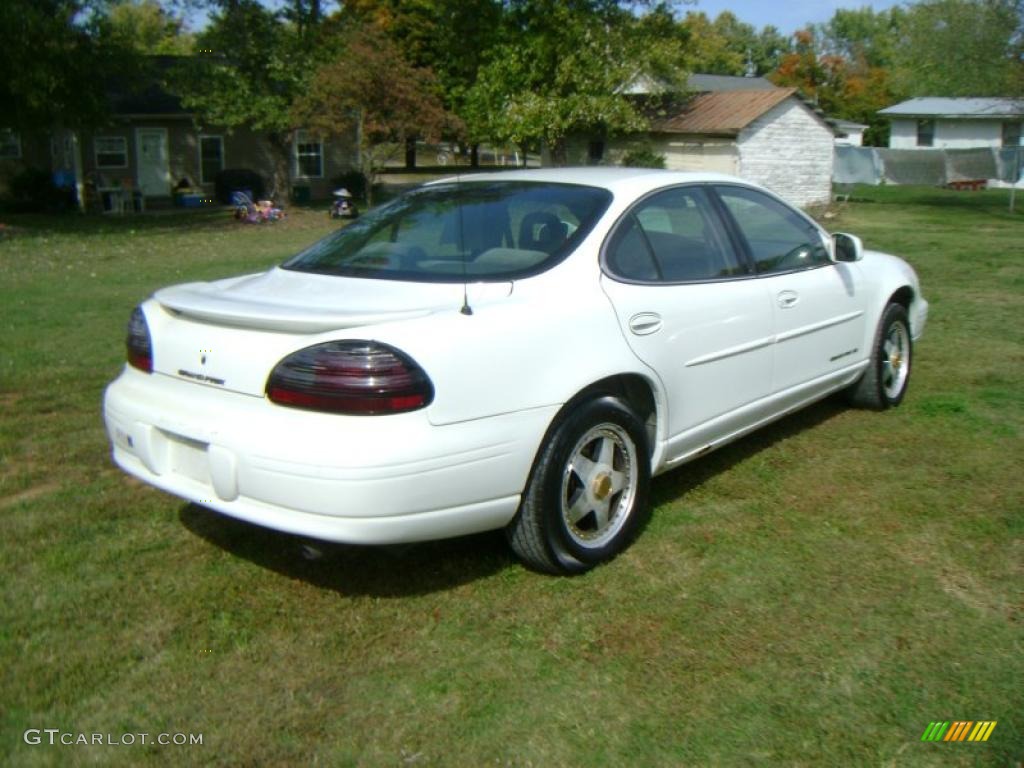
(111, 151)
(10, 144)
(211, 158)
(309, 156)
(925, 133)
(1011, 134)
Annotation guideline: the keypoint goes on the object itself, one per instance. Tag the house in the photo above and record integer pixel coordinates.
(744, 126)
(955, 123)
(848, 133)
(152, 143)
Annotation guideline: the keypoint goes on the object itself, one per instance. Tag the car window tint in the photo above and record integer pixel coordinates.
(481, 230)
(540, 226)
(780, 239)
(629, 256)
(673, 236)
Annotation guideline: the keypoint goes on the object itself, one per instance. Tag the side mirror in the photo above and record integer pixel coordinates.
(847, 247)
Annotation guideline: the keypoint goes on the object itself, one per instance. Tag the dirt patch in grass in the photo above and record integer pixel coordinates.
(29, 494)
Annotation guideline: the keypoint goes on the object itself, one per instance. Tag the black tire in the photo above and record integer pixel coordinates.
(599, 445)
(885, 380)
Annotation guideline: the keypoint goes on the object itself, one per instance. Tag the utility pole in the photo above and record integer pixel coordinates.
(1016, 177)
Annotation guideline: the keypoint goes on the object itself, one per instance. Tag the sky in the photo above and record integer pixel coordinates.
(786, 15)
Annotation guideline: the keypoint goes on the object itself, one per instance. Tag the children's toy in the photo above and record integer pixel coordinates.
(255, 213)
(344, 206)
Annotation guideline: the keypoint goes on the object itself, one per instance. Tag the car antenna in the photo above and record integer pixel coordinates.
(466, 309)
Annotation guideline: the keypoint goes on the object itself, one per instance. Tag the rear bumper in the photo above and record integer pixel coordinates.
(366, 480)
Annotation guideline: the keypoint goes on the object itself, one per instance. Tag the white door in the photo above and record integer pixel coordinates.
(819, 325)
(154, 172)
(817, 304)
(690, 309)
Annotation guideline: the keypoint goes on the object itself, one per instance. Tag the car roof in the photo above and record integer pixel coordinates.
(612, 178)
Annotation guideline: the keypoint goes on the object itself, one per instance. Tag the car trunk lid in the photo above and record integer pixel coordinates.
(231, 333)
(294, 302)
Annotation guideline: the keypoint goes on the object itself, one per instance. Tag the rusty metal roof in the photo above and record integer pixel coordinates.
(719, 113)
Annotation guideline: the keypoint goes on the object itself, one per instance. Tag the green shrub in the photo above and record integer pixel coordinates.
(34, 191)
(643, 157)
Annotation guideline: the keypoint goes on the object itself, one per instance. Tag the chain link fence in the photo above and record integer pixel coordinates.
(930, 167)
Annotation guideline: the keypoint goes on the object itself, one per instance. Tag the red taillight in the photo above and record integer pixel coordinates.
(361, 378)
(140, 346)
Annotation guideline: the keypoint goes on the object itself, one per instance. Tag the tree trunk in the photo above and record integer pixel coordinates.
(280, 182)
(560, 152)
(474, 156)
(369, 171)
(366, 164)
(410, 154)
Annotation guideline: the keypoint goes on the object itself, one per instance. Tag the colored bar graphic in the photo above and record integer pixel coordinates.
(959, 730)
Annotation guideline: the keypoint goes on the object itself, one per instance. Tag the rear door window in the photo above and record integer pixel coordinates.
(673, 236)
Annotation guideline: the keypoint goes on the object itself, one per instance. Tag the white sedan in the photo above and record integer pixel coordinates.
(521, 350)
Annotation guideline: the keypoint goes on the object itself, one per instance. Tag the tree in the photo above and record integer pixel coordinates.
(862, 36)
(368, 88)
(251, 67)
(564, 67)
(769, 47)
(842, 88)
(961, 48)
(728, 46)
(452, 38)
(145, 26)
(307, 17)
(815, 76)
(708, 51)
(64, 56)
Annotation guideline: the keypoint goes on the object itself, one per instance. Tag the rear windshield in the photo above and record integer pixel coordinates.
(488, 230)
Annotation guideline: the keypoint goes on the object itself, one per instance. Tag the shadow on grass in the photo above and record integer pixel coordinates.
(415, 569)
(688, 477)
(382, 571)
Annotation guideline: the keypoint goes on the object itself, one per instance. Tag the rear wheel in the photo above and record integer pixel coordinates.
(884, 382)
(587, 494)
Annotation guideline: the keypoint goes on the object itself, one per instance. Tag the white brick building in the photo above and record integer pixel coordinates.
(746, 127)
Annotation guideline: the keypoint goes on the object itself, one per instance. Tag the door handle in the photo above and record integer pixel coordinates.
(644, 323)
(788, 299)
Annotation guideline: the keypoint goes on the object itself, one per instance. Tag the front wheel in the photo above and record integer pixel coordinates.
(884, 382)
(587, 494)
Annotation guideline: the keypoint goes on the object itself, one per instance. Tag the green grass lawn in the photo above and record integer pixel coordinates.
(815, 594)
